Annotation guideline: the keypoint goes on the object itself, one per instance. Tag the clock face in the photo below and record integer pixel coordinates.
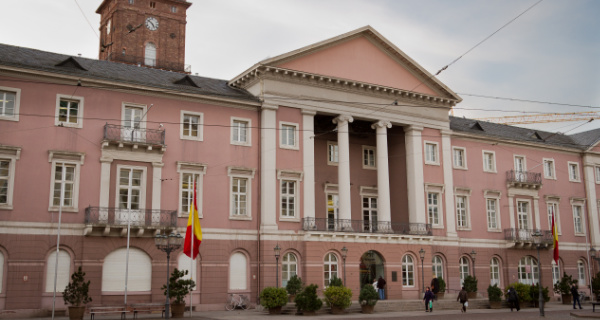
(151, 23)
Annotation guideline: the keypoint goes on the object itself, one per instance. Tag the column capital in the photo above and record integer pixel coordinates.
(381, 124)
(269, 106)
(343, 118)
(308, 112)
(412, 128)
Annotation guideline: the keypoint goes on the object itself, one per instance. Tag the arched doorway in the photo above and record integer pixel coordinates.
(371, 267)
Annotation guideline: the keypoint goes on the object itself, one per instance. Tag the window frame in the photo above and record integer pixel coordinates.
(241, 173)
(17, 106)
(372, 210)
(581, 219)
(553, 166)
(246, 271)
(437, 266)
(485, 163)
(431, 188)
(296, 178)
(493, 195)
(233, 140)
(495, 277)
(528, 214)
(434, 154)
(332, 146)
(535, 270)
(463, 158)
(282, 143)
(143, 186)
(553, 203)
(464, 193)
(577, 177)
(10, 154)
(192, 168)
(63, 277)
(369, 153)
(80, 109)
(597, 174)
(464, 269)
(288, 263)
(329, 272)
(71, 158)
(581, 273)
(408, 271)
(200, 115)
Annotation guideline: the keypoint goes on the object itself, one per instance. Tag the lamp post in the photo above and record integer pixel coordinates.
(168, 244)
(537, 239)
(277, 250)
(473, 255)
(422, 256)
(344, 254)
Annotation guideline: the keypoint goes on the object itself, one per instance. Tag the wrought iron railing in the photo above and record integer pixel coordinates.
(360, 226)
(525, 235)
(528, 177)
(153, 63)
(101, 216)
(134, 135)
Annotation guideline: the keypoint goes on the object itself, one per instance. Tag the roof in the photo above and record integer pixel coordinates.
(581, 141)
(37, 60)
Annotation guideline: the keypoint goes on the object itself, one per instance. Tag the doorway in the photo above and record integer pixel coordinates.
(371, 267)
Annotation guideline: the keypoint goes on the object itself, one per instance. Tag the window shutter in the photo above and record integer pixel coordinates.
(64, 271)
(238, 272)
(139, 275)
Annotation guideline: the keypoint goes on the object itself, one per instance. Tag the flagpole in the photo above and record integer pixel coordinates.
(127, 256)
(192, 254)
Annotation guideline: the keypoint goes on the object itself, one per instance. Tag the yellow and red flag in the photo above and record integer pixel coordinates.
(193, 231)
(555, 239)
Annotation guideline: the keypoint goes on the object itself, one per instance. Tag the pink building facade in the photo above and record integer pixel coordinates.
(342, 153)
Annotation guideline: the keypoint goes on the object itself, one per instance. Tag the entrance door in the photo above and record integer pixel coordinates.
(333, 201)
(132, 118)
(371, 267)
(523, 219)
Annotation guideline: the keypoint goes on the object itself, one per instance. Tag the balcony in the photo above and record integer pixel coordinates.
(105, 221)
(523, 238)
(360, 226)
(134, 136)
(524, 179)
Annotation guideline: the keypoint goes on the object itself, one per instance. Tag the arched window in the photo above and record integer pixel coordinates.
(495, 272)
(463, 269)
(408, 271)
(238, 270)
(437, 266)
(555, 272)
(289, 267)
(330, 267)
(150, 54)
(581, 273)
(139, 272)
(185, 263)
(528, 270)
(63, 274)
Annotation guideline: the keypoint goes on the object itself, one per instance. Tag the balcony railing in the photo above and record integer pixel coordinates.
(134, 135)
(523, 177)
(525, 236)
(145, 218)
(360, 226)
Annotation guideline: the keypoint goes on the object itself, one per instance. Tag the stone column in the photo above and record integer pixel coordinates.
(592, 204)
(384, 211)
(449, 184)
(414, 175)
(268, 167)
(156, 184)
(536, 212)
(104, 182)
(308, 160)
(343, 121)
(511, 211)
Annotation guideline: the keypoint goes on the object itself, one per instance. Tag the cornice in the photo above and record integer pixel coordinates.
(494, 140)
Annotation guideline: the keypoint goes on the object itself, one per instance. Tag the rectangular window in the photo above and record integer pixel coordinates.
(332, 210)
(433, 208)
(240, 131)
(492, 214)
(369, 209)
(489, 161)
(239, 192)
(130, 188)
(131, 1)
(578, 219)
(187, 191)
(192, 126)
(332, 153)
(597, 169)
(369, 157)
(69, 111)
(461, 212)
(523, 215)
(64, 181)
(289, 136)
(555, 273)
(459, 157)
(152, 4)
(173, 9)
(574, 172)
(431, 153)
(553, 208)
(549, 169)
(190, 173)
(9, 103)
(288, 198)
(5, 179)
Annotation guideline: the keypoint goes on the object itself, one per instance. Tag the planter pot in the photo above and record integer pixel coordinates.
(367, 308)
(471, 295)
(566, 299)
(276, 310)
(495, 304)
(337, 310)
(440, 295)
(76, 313)
(291, 297)
(177, 310)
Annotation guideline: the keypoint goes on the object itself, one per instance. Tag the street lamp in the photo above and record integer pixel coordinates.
(168, 244)
(537, 239)
(277, 250)
(344, 254)
(422, 255)
(473, 255)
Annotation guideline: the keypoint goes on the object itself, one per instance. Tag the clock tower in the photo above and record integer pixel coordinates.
(144, 32)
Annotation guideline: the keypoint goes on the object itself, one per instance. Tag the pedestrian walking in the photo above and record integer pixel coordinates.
(463, 299)
(513, 299)
(435, 286)
(428, 298)
(575, 295)
(375, 284)
(381, 288)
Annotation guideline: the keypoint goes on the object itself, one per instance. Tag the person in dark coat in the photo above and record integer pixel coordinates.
(435, 286)
(381, 288)
(513, 299)
(428, 297)
(463, 298)
(575, 295)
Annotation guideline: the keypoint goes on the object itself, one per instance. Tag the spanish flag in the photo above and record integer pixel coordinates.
(555, 239)
(194, 231)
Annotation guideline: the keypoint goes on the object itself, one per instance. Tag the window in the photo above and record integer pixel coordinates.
(463, 269)
(69, 111)
(63, 271)
(461, 212)
(523, 215)
(332, 153)
(369, 209)
(552, 208)
(597, 169)
(5, 179)
(369, 157)
(190, 173)
(549, 172)
(489, 161)
(431, 153)
(574, 171)
(437, 266)
(581, 273)
(238, 272)
(330, 266)
(288, 198)
(520, 169)
(289, 268)
(492, 214)
(240, 131)
(173, 9)
(332, 210)
(494, 272)
(578, 219)
(555, 272)
(240, 180)
(152, 4)
(433, 208)
(139, 277)
(130, 188)
(192, 126)
(150, 54)
(408, 271)
(528, 271)
(65, 180)
(459, 158)
(133, 126)
(131, 1)
(184, 263)
(9, 103)
(289, 135)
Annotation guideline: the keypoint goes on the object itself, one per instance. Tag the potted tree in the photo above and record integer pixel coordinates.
(368, 298)
(440, 295)
(76, 294)
(563, 287)
(495, 296)
(273, 299)
(596, 285)
(338, 298)
(470, 285)
(178, 289)
(293, 286)
(307, 301)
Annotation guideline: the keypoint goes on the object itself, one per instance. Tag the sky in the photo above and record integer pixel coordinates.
(551, 53)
